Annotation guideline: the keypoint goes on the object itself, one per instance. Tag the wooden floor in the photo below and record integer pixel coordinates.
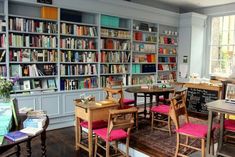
(60, 143)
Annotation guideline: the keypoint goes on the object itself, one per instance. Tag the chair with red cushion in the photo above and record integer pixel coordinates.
(187, 129)
(229, 129)
(119, 126)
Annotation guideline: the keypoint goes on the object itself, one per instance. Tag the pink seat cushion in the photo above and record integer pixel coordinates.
(95, 124)
(164, 109)
(114, 135)
(229, 124)
(128, 101)
(196, 130)
(161, 98)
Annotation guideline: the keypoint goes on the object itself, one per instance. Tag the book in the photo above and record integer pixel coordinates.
(27, 85)
(15, 111)
(16, 136)
(51, 83)
(31, 131)
(34, 122)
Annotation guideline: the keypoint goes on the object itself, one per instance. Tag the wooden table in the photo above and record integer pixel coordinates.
(157, 91)
(222, 107)
(90, 112)
(7, 144)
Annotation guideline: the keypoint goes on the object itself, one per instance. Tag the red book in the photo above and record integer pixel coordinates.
(149, 58)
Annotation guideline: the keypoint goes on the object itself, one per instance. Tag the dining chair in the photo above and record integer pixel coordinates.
(160, 112)
(120, 123)
(84, 126)
(114, 92)
(189, 130)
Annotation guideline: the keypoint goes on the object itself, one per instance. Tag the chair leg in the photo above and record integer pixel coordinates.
(203, 147)
(136, 120)
(107, 148)
(96, 145)
(116, 146)
(169, 125)
(177, 144)
(127, 146)
(152, 117)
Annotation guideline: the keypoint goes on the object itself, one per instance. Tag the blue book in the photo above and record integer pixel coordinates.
(16, 136)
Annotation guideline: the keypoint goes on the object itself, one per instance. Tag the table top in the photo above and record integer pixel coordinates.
(6, 144)
(154, 89)
(92, 105)
(221, 106)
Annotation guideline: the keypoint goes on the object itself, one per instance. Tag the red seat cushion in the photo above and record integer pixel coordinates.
(114, 135)
(196, 130)
(128, 101)
(229, 124)
(95, 124)
(163, 109)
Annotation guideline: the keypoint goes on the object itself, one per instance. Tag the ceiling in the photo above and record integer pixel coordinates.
(194, 4)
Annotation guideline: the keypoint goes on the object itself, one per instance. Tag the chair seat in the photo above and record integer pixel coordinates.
(163, 109)
(128, 101)
(114, 135)
(229, 124)
(196, 130)
(95, 124)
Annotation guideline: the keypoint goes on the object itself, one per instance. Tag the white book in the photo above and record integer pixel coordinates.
(31, 131)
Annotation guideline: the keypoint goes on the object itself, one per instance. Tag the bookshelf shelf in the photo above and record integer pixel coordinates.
(114, 50)
(2, 33)
(114, 63)
(31, 18)
(144, 63)
(33, 33)
(1, 14)
(79, 63)
(161, 71)
(116, 28)
(72, 76)
(67, 49)
(135, 30)
(36, 77)
(77, 23)
(33, 90)
(144, 52)
(2, 48)
(152, 73)
(172, 45)
(75, 36)
(146, 42)
(115, 38)
(12, 62)
(107, 74)
(162, 55)
(38, 48)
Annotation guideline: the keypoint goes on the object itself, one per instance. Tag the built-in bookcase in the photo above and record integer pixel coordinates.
(115, 49)
(144, 52)
(167, 53)
(3, 37)
(33, 54)
(78, 50)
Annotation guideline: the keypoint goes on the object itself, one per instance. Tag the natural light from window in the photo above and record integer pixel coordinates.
(222, 54)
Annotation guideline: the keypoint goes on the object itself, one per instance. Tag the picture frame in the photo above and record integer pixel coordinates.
(51, 83)
(230, 93)
(27, 85)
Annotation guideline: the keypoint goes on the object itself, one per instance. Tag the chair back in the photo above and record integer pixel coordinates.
(178, 109)
(114, 92)
(121, 119)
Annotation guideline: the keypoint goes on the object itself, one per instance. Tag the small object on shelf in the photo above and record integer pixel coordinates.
(16, 136)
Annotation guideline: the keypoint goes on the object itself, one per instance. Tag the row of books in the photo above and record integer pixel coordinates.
(2, 26)
(115, 44)
(124, 78)
(32, 70)
(136, 68)
(149, 58)
(115, 56)
(29, 55)
(85, 57)
(142, 79)
(78, 30)
(3, 71)
(74, 84)
(115, 33)
(32, 41)
(167, 76)
(167, 40)
(145, 47)
(166, 66)
(149, 68)
(166, 50)
(113, 69)
(28, 25)
(167, 59)
(39, 84)
(73, 43)
(89, 69)
(2, 41)
(140, 36)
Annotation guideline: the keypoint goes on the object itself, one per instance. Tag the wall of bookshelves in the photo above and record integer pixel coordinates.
(3, 40)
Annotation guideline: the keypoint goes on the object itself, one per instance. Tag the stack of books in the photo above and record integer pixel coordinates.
(35, 119)
(16, 136)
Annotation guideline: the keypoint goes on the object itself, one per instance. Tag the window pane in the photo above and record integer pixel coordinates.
(215, 30)
(215, 52)
(224, 40)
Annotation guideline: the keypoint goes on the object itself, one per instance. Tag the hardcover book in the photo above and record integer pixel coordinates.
(16, 136)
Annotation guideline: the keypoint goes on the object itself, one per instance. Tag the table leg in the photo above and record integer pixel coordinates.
(90, 133)
(135, 98)
(28, 148)
(145, 110)
(43, 143)
(77, 133)
(208, 140)
(18, 151)
(221, 131)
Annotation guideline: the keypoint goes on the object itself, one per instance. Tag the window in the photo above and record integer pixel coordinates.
(222, 47)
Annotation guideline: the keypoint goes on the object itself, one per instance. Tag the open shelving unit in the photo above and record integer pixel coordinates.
(3, 40)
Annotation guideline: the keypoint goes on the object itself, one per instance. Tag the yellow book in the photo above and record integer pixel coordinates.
(49, 13)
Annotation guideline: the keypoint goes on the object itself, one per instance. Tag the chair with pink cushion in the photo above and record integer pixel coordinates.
(119, 126)
(187, 129)
(229, 128)
(160, 113)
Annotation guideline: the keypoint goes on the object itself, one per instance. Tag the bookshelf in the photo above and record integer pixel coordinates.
(3, 44)
(167, 53)
(33, 54)
(115, 49)
(144, 52)
(78, 50)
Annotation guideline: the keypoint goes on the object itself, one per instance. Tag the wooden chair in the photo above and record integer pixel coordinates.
(84, 126)
(119, 126)
(190, 130)
(160, 113)
(114, 92)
